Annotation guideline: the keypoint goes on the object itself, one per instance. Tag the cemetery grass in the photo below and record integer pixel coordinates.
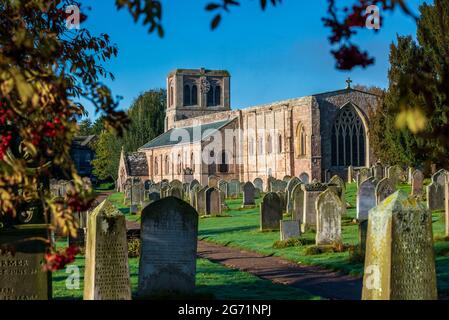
(214, 281)
(241, 230)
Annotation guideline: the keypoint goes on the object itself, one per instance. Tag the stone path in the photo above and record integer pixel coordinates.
(315, 280)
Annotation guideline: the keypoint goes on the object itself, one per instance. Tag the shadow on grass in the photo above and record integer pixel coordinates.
(209, 232)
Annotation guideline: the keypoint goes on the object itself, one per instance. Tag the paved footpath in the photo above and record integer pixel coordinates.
(315, 280)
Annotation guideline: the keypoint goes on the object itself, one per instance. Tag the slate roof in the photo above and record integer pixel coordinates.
(83, 141)
(137, 164)
(190, 134)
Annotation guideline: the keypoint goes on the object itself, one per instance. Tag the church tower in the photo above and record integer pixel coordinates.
(196, 92)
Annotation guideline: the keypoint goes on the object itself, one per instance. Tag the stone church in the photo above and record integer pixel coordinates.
(310, 137)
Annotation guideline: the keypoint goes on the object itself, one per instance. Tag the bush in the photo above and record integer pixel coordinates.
(133, 248)
(293, 242)
(329, 248)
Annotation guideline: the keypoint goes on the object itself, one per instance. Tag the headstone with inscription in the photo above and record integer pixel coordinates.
(435, 191)
(223, 187)
(417, 181)
(258, 183)
(400, 260)
(329, 209)
(233, 189)
(213, 202)
(270, 212)
(378, 171)
(311, 193)
(364, 174)
(298, 203)
(169, 246)
(200, 201)
(212, 181)
(106, 273)
(289, 193)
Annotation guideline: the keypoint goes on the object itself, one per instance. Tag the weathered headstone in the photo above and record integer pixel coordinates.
(223, 187)
(329, 209)
(378, 171)
(213, 202)
(341, 187)
(283, 198)
(366, 198)
(278, 186)
(212, 181)
(298, 203)
(21, 273)
(304, 177)
(270, 212)
(289, 193)
(192, 184)
(363, 232)
(289, 229)
(175, 192)
(400, 261)
(137, 193)
(417, 182)
(169, 246)
(435, 191)
(248, 194)
(257, 193)
(200, 201)
(233, 189)
(106, 274)
(286, 178)
(193, 193)
(311, 193)
(384, 189)
(395, 174)
(364, 173)
(258, 183)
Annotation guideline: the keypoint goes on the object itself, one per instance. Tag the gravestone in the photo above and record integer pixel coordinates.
(283, 198)
(289, 229)
(164, 191)
(200, 201)
(175, 192)
(289, 193)
(364, 173)
(363, 232)
(257, 193)
(233, 189)
(21, 273)
(329, 210)
(258, 183)
(137, 193)
(153, 196)
(366, 198)
(106, 273)
(400, 261)
(248, 194)
(378, 171)
(192, 184)
(384, 189)
(147, 184)
(193, 194)
(213, 202)
(270, 212)
(286, 178)
(168, 250)
(278, 186)
(311, 193)
(395, 174)
(298, 203)
(341, 187)
(304, 177)
(417, 182)
(223, 187)
(212, 181)
(435, 191)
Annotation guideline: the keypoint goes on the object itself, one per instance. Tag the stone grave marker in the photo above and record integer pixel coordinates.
(213, 202)
(248, 194)
(329, 209)
(106, 274)
(311, 193)
(384, 189)
(169, 247)
(400, 261)
(200, 201)
(290, 229)
(270, 212)
(366, 198)
(212, 181)
(298, 203)
(289, 193)
(364, 174)
(435, 191)
(378, 171)
(233, 189)
(417, 182)
(258, 183)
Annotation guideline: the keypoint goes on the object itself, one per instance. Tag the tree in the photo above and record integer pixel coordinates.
(146, 114)
(85, 127)
(412, 127)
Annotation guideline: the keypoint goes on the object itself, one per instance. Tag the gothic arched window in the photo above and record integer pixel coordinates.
(171, 95)
(179, 164)
(269, 144)
(167, 165)
(348, 139)
(187, 95)
(194, 95)
(301, 140)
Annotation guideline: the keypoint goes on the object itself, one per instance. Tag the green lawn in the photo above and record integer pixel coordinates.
(241, 230)
(213, 282)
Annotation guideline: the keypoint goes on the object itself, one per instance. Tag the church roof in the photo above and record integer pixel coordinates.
(136, 164)
(191, 134)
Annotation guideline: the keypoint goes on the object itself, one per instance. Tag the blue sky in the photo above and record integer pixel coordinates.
(274, 55)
